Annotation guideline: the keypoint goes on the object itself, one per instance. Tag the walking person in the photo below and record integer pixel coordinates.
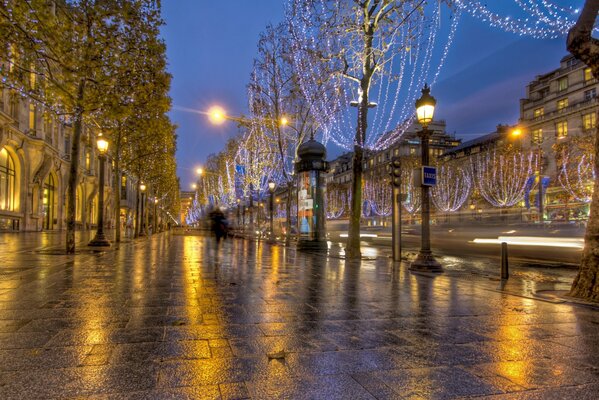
(218, 225)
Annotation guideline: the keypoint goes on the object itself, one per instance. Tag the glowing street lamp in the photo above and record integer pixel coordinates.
(100, 238)
(217, 115)
(425, 111)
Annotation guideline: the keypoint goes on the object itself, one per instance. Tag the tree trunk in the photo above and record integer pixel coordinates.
(585, 48)
(74, 169)
(352, 250)
(288, 213)
(586, 283)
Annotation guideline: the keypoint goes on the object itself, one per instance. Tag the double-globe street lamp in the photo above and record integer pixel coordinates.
(100, 238)
(425, 110)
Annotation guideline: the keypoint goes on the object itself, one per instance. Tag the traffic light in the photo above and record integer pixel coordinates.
(396, 171)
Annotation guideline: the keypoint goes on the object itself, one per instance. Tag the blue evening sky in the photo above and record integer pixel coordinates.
(211, 45)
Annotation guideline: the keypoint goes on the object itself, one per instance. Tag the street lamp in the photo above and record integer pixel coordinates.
(271, 189)
(100, 238)
(142, 188)
(425, 110)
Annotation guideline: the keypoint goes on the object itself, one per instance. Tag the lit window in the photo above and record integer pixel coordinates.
(87, 161)
(561, 129)
(412, 150)
(561, 104)
(396, 152)
(538, 112)
(8, 189)
(588, 75)
(32, 117)
(537, 135)
(589, 121)
(562, 84)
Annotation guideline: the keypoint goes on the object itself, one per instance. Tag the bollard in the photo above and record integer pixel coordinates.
(504, 263)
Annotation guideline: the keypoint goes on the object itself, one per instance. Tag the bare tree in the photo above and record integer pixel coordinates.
(359, 40)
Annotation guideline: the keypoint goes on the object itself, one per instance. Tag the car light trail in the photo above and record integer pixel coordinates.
(575, 243)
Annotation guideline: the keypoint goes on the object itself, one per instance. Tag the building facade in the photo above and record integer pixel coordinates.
(35, 151)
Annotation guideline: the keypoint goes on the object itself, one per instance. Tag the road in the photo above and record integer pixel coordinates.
(457, 251)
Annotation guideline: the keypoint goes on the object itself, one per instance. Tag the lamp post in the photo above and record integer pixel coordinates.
(100, 238)
(142, 188)
(425, 109)
(271, 189)
(155, 225)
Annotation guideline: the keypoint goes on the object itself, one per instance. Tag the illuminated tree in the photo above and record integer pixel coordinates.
(500, 175)
(370, 47)
(452, 188)
(336, 200)
(377, 191)
(575, 162)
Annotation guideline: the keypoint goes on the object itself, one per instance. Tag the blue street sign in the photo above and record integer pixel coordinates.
(429, 176)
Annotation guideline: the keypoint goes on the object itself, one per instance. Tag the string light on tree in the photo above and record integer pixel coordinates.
(452, 188)
(501, 176)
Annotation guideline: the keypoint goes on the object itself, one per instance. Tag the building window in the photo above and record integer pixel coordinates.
(67, 145)
(87, 161)
(561, 104)
(539, 112)
(562, 84)
(561, 129)
(32, 117)
(537, 136)
(396, 152)
(589, 121)
(412, 150)
(14, 107)
(7, 182)
(588, 75)
(123, 187)
(590, 94)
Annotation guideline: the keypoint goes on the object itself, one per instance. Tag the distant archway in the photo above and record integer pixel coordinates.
(49, 202)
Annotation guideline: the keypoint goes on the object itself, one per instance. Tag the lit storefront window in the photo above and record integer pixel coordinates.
(7, 182)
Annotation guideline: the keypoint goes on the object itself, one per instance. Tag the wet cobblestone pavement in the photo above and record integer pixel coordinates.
(170, 317)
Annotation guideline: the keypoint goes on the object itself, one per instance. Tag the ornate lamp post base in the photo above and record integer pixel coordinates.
(99, 240)
(425, 262)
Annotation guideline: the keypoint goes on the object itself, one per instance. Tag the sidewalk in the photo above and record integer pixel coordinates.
(170, 317)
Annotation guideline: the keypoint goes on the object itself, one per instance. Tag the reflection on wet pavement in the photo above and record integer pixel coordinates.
(175, 317)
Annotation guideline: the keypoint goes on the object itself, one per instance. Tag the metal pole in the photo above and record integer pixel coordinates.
(155, 227)
(396, 224)
(142, 225)
(272, 232)
(504, 262)
(425, 260)
(100, 238)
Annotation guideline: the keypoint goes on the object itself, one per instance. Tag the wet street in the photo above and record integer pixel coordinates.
(172, 317)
